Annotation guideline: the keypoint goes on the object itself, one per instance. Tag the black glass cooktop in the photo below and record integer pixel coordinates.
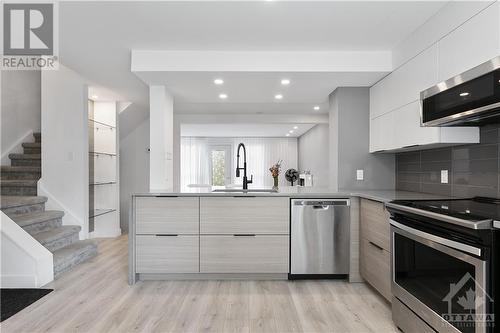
(475, 209)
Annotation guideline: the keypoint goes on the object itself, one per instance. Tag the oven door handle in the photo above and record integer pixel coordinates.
(440, 240)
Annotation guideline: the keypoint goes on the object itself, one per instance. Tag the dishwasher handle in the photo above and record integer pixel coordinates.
(322, 204)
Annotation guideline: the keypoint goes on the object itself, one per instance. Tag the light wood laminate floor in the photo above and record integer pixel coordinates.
(95, 297)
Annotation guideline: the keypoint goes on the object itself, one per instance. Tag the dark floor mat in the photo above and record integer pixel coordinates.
(14, 300)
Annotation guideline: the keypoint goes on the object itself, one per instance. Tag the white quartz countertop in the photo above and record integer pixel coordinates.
(301, 192)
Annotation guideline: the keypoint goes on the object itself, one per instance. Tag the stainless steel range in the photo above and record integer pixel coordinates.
(445, 265)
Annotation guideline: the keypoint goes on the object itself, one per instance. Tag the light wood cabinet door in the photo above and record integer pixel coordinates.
(375, 225)
(244, 215)
(167, 215)
(167, 254)
(375, 267)
(244, 254)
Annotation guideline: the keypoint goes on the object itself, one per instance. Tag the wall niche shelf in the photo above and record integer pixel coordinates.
(101, 123)
(101, 183)
(104, 200)
(97, 153)
(98, 212)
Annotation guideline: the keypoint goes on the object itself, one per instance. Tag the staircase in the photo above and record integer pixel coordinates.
(20, 202)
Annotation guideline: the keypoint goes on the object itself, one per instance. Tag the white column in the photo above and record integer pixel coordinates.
(161, 119)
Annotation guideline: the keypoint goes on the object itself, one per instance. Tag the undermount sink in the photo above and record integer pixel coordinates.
(240, 190)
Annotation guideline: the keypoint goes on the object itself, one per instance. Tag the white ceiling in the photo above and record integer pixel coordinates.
(251, 92)
(96, 39)
(244, 130)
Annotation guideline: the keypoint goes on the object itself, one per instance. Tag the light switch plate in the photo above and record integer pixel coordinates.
(444, 176)
(360, 174)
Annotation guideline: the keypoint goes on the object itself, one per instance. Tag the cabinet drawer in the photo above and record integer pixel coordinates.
(236, 215)
(406, 320)
(167, 254)
(244, 254)
(375, 267)
(167, 215)
(375, 225)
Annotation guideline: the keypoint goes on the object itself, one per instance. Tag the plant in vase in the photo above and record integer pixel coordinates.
(275, 172)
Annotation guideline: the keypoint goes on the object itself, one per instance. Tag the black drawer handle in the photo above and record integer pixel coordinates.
(166, 235)
(377, 246)
(244, 235)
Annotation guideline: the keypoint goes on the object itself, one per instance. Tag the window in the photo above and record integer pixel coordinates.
(220, 165)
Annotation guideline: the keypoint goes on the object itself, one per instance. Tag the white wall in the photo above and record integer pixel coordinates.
(313, 153)
(161, 115)
(19, 111)
(134, 168)
(25, 263)
(65, 164)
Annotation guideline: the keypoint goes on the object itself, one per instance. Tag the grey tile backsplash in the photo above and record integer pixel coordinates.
(473, 170)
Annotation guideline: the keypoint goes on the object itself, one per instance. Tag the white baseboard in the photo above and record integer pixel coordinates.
(18, 281)
(16, 147)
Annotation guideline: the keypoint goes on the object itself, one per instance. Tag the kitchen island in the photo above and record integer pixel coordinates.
(201, 234)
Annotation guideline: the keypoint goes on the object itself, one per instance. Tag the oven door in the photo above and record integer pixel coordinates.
(441, 280)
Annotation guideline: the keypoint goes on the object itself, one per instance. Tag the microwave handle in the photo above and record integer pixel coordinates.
(440, 240)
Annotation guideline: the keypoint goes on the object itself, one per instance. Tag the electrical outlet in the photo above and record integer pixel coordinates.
(360, 174)
(444, 176)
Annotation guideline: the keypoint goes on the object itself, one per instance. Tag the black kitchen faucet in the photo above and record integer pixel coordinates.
(245, 179)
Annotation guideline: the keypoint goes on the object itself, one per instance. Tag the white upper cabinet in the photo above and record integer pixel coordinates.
(382, 133)
(395, 100)
(474, 42)
(400, 130)
(408, 131)
(403, 86)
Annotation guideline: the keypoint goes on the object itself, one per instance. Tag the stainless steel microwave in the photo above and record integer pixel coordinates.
(469, 99)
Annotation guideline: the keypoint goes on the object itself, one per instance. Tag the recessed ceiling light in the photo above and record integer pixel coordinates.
(278, 96)
(464, 94)
(287, 134)
(290, 131)
(295, 127)
(222, 96)
(95, 96)
(219, 81)
(285, 82)
(316, 107)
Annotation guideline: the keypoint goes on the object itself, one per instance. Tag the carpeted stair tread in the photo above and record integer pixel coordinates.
(72, 255)
(25, 156)
(24, 220)
(20, 187)
(49, 236)
(19, 182)
(8, 168)
(20, 172)
(32, 145)
(10, 201)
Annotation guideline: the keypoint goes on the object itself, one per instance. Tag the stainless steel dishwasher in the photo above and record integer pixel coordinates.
(320, 237)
